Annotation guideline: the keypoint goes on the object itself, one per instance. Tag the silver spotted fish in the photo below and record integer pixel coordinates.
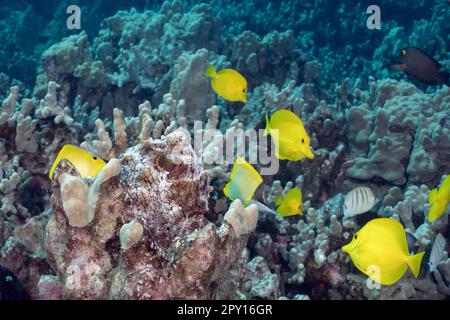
(358, 201)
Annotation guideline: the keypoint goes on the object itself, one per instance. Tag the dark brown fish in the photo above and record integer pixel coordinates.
(420, 66)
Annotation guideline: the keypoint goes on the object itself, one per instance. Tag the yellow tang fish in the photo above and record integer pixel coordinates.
(228, 83)
(244, 180)
(380, 250)
(86, 163)
(439, 199)
(291, 204)
(289, 136)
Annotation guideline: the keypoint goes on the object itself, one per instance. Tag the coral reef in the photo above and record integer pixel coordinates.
(154, 223)
(406, 131)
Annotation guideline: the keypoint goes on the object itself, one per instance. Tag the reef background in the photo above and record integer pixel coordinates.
(136, 74)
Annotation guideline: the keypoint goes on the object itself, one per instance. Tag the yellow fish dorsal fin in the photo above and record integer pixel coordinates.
(86, 164)
(391, 227)
(284, 119)
(291, 203)
(244, 180)
(210, 72)
(432, 195)
(232, 73)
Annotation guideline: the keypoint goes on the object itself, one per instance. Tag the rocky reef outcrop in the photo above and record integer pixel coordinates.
(137, 230)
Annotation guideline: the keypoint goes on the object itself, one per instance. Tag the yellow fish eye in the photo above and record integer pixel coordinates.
(94, 157)
(355, 236)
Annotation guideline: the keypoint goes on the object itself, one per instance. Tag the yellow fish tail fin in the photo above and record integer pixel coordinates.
(432, 195)
(308, 153)
(267, 130)
(414, 262)
(210, 72)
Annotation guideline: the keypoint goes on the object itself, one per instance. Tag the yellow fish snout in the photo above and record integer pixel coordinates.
(308, 153)
(348, 248)
(305, 148)
(345, 248)
(241, 94)
(300, 153)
